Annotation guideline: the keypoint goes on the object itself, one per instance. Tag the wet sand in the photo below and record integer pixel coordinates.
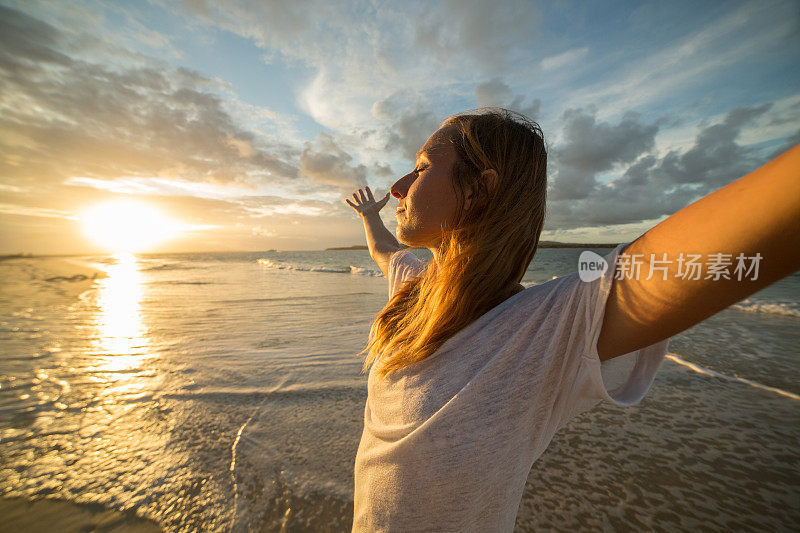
(54, 515)
(58, 279)
(46, 280)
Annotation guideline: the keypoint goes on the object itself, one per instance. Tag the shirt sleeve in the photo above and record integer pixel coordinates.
(403, 265)
(623, 380)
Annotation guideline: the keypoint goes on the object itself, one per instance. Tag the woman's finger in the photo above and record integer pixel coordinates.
(361, 194)
(355, 197)
(349, 203)
(369, 195)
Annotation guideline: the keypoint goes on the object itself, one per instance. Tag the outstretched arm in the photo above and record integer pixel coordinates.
(381, 243)
(756, 214)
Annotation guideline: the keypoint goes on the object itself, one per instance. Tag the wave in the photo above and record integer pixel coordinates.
(174, 282)
(281, 391)
(360, 271)
(785, 308)
(168, 266)
(291, 298)
(76, 277)
(708, 372)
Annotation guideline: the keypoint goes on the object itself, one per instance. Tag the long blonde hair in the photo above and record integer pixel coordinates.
(488, 249)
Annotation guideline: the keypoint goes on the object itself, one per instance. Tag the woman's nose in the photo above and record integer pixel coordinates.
(400, 187)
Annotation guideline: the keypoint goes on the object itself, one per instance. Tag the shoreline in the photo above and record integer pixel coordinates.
(46, 280)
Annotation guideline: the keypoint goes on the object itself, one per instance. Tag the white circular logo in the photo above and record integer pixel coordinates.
(591, 266)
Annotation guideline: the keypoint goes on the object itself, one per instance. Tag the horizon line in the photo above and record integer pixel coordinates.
(335, 248)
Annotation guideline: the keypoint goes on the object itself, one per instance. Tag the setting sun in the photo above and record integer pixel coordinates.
(128, 226)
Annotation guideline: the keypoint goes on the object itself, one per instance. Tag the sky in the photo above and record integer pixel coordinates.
(248, 123)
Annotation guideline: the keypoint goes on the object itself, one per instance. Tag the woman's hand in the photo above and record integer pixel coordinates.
(380, 241)
(365, 203)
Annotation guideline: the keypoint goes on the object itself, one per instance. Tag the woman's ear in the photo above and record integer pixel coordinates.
(491, 180)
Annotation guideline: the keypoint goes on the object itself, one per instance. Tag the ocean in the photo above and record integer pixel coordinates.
(223, 392)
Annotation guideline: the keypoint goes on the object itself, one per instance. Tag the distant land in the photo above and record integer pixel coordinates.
(15, 256)
(542, 244)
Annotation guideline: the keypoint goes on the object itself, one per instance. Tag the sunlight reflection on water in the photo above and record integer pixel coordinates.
(122, 333)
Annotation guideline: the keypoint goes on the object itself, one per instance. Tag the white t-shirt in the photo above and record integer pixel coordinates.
(448, 442)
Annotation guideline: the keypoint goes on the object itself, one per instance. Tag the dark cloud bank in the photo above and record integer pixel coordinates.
(648, 187)
(70, 116)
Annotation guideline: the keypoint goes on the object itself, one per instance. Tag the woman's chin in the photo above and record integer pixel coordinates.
(406, 237)
(413, 240)
(406, 242)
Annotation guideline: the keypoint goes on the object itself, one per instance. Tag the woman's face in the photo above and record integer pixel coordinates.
(427, 197)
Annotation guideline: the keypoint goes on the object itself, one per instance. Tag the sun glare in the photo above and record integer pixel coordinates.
(128, 226)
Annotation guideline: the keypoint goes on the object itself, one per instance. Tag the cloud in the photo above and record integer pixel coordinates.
(590, 146)
(362, 53)
(64, 115)
(137, 185)
(325, 162)
(486, 33)
(716, 158)
(652, 187)
(739, 36)
(495, 93)
(286, 28)
(564, 59)
(316, 31)
(410, 121)
(790, 142)
(12, 209)
(269, 206)
(376, 69)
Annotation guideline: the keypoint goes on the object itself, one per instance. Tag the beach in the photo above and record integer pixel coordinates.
(223, 392)
(46, 280)
(42, 516)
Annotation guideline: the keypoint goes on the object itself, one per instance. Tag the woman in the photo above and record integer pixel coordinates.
(470, 374)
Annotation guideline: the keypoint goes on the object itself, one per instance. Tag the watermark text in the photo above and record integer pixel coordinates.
(715, 266)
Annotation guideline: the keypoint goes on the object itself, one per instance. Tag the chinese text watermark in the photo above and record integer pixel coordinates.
(713, 267)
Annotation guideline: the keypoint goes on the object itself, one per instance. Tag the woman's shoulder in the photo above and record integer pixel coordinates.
(549, 292)
(403, 255)
(403, 265)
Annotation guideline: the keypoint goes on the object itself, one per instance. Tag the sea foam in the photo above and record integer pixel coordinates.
(360, 271)
(784, 308)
